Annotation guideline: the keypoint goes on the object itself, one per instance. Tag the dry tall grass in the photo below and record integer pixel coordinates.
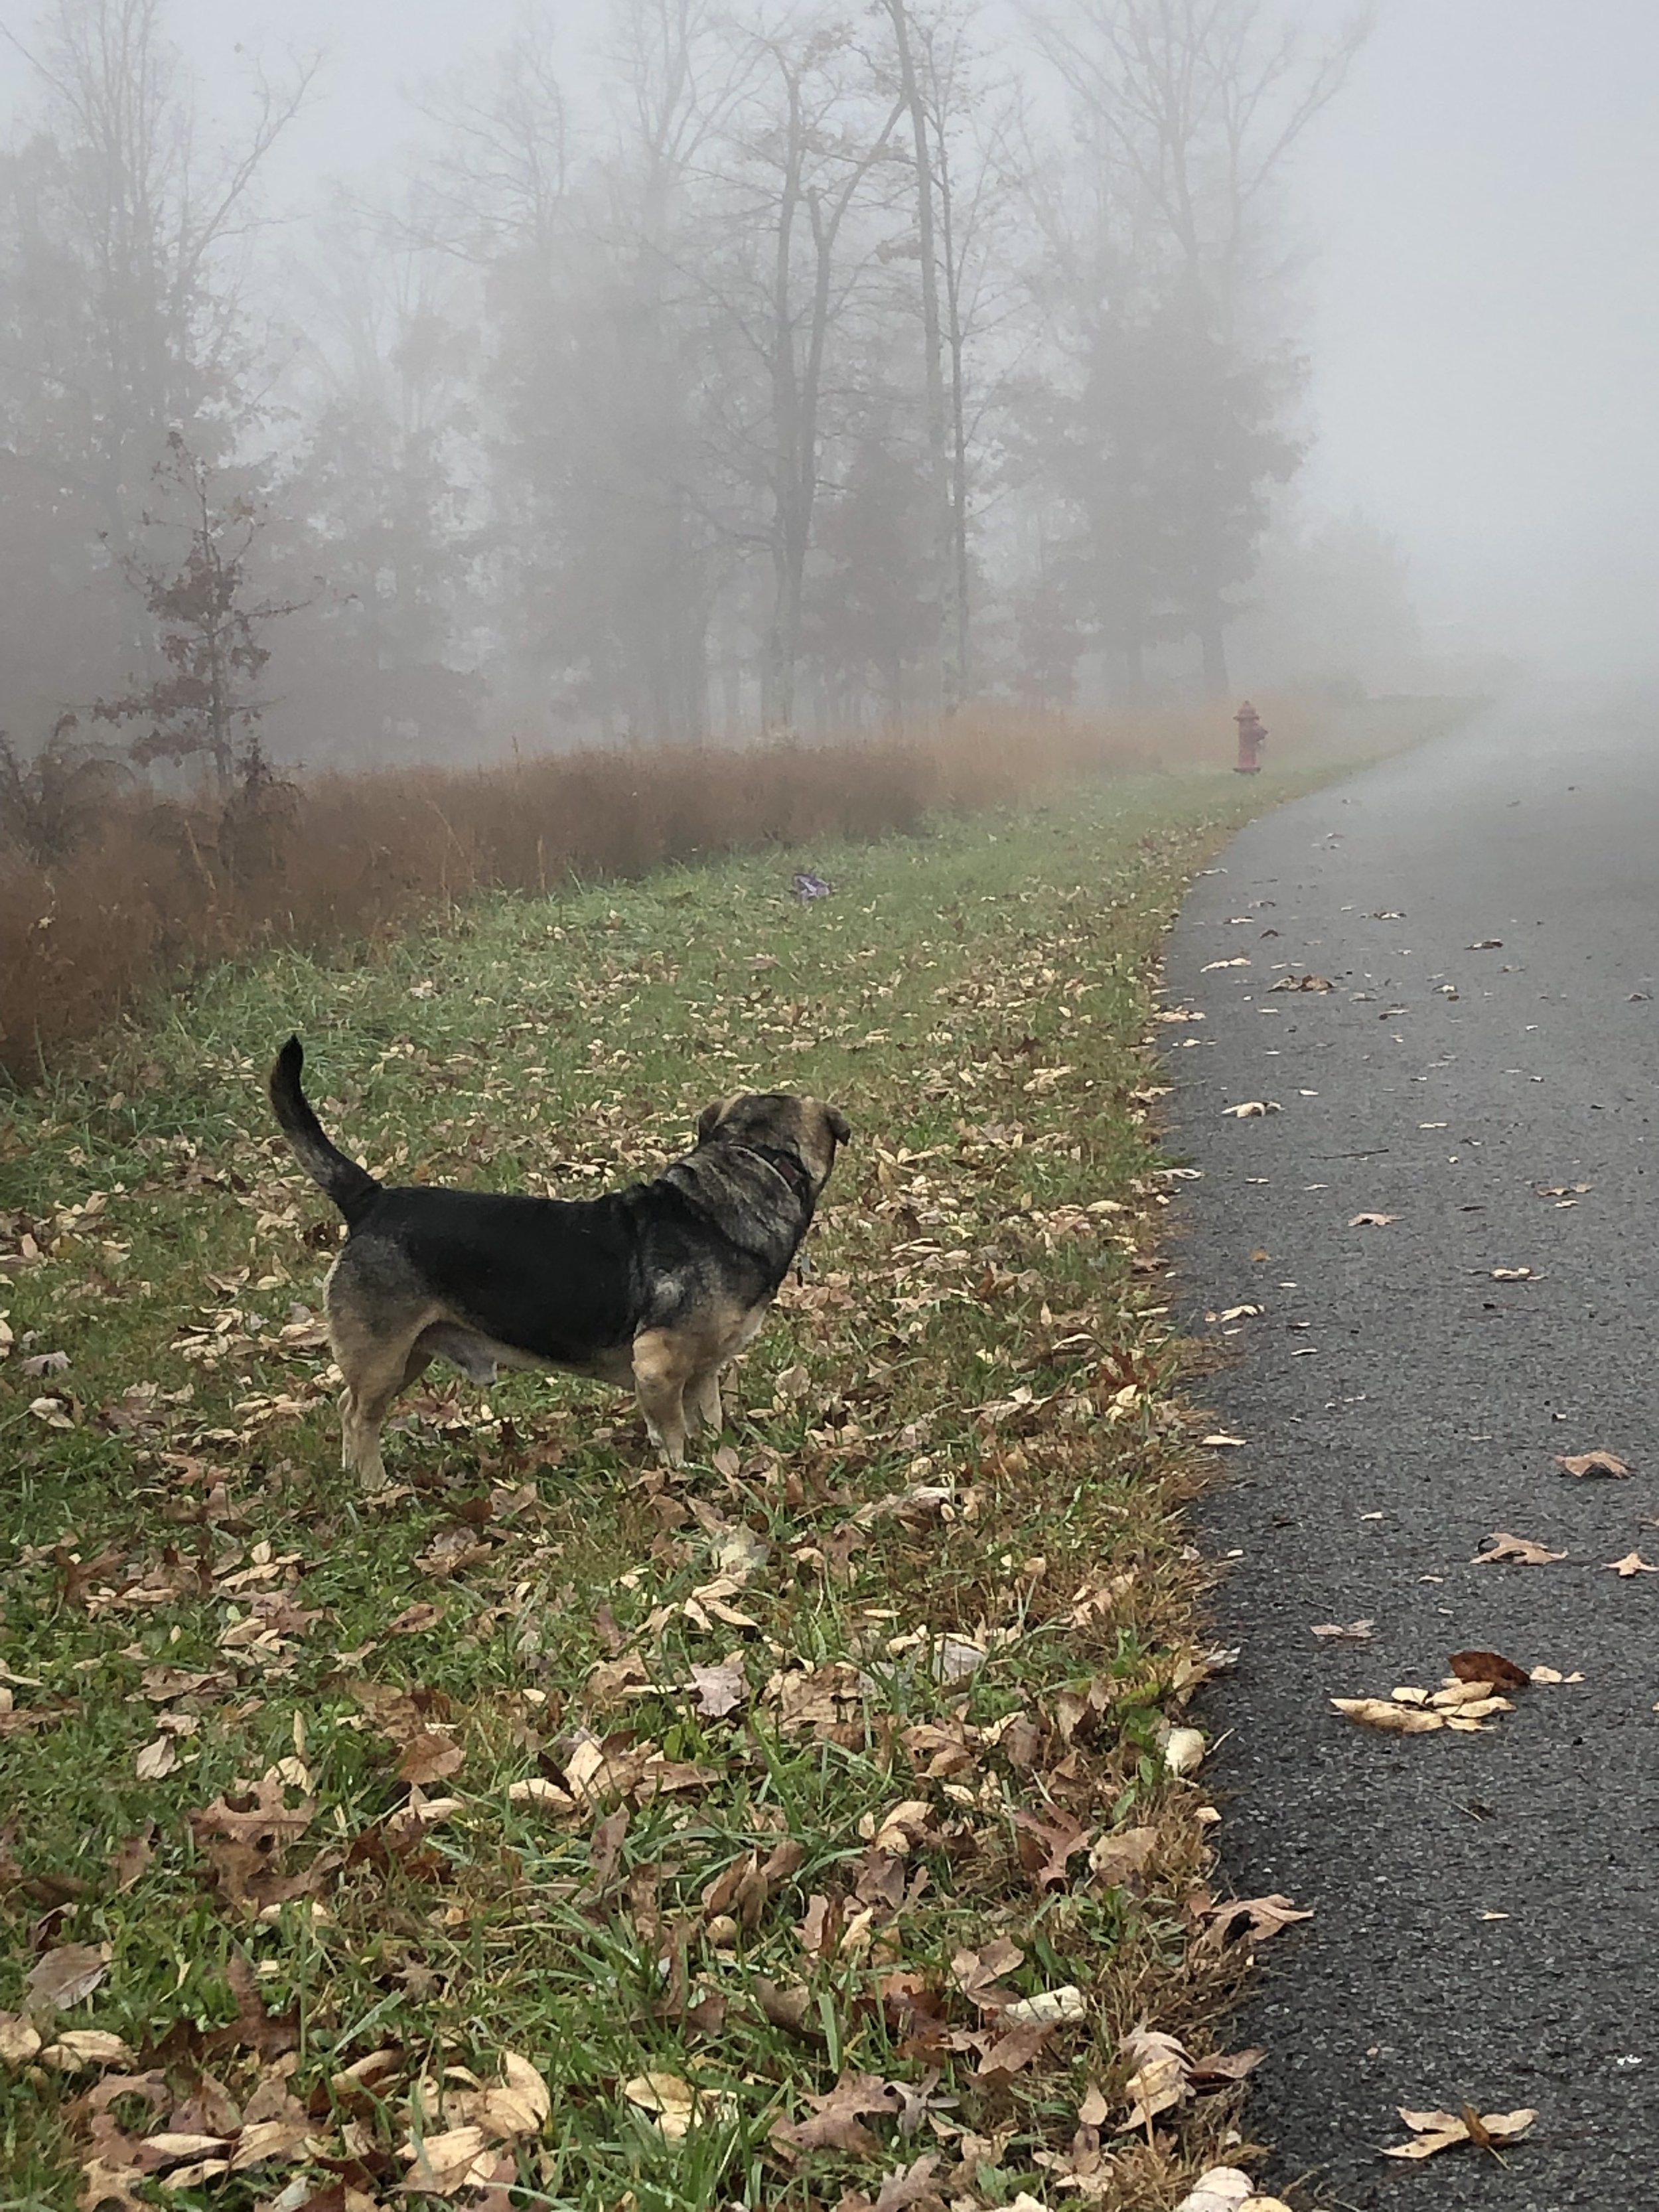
(159, 889)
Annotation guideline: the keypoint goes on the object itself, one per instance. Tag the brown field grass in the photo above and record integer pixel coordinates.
(160, 888)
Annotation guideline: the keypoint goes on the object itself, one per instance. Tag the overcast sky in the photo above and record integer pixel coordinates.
(1483, 296)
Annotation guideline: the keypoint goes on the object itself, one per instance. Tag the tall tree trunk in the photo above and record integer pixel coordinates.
(943, 566)
(1213, 644)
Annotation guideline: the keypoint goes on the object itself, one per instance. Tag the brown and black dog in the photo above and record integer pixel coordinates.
(656, 1288)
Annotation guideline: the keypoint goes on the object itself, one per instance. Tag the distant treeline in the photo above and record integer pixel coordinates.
(841, 366)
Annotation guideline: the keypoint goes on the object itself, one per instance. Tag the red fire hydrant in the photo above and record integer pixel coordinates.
(1251, 739)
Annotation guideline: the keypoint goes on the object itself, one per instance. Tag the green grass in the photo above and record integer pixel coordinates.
(960, 1425)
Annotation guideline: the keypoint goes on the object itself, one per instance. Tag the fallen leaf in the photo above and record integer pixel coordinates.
(1631, 1563)
(1116, 1858)
(1251, 1108)
(440, 2165)
(1510, 1275)
(1592, 1462)
(1048, 2008)
(721, 1690)
(836, 2121)
(1159, 2079)
(1521, 1549)
(1372, 1220)
(156, 1760)
(1183, 1750)
(19, 2038)
(672, 2103)
(414, 1619)
(1218, 1440)
(1488, 1667)
(87, 2046)
(1393, 1719)
(432, 1756)
(133, 1857)
(538, 1790)
(1438, 2131)
(1488, 944)
(1350, 1632)
(1221, 2189)
(66, 1975)
(1260, 1917)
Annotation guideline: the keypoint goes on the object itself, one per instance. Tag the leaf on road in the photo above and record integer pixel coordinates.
(1216, 1442)
(1242, 961)
(1510, 1275)
(1631, 1563)
(1344, 1632)
(1251, 1108)
(1393, 1719)
(1521, 1549)
(1488, 944)
(1252, 1916)
(1488, 1667)
(1438, 2131)
(1372, 1220)
(1592, 1463)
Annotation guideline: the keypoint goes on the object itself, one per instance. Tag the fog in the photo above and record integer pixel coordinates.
(522, 414)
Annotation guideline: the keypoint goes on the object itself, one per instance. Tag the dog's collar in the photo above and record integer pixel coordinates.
(787, 1169)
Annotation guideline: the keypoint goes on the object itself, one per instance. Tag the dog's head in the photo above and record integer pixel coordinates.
(806, 1130)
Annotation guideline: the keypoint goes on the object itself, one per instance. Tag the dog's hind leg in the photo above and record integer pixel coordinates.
(662, 1368)
(374, 1373)
(703, 1404)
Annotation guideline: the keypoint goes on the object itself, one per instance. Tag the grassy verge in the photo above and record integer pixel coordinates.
(622, 1841)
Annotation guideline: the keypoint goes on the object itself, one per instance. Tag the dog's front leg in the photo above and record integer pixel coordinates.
(661, 1371)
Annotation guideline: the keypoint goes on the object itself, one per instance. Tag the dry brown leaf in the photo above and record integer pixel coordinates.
(1521, 1549)
(1159, 2079)
(86, 2046)
(1593, 1463)
(671, 2102)
(460, 2158)
(1393, 1718)
(1117, 1858)
(1221, 2189)
(431, 1756)
(19, 2038)
(721, 1690)
(837, 2122)
(1488, 1667)
(156, 1760)
(66, 1975)
(1438, 2131)
(1631, 1563)
(1260, 1917)
(1338, 1631)
(1183, 1750)
(537, 1790)
(133, 1857)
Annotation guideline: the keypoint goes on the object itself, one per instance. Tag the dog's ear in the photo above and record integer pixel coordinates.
(839, 1129)
(711, 1117)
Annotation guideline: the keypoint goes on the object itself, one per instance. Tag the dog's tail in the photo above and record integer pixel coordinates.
(352, 1188)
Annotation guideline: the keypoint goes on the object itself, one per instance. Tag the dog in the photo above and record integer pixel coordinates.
(656, 1287)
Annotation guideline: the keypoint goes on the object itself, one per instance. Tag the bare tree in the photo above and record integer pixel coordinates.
(206, 705)
(145, 221)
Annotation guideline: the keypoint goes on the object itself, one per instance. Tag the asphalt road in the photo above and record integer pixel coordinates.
(1486, 1927)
